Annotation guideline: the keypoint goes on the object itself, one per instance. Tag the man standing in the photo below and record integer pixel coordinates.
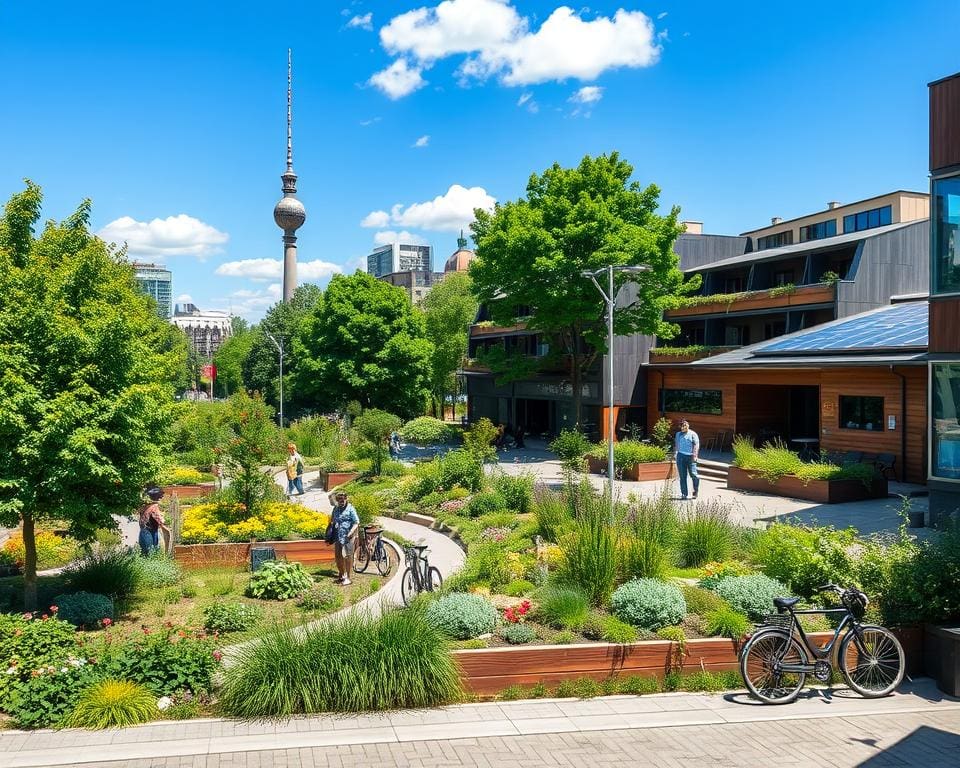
(294, 470)
(687, 445)
(151, 522)
(346, 521)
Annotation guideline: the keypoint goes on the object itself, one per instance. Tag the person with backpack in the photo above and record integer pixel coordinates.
(294, 471)
(151, 522)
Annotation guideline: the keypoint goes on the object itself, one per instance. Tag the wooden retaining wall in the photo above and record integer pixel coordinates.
(309, 552)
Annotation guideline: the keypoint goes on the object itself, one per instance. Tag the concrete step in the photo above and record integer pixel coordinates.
(713, 470)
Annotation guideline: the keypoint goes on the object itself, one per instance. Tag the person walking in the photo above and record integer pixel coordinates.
(346, 522)
(687, 447)
(394, 445)
(151, 522)
(294, 470)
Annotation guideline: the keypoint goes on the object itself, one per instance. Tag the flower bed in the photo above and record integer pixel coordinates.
(820, 491)
(189, 491)
(217, 523)
(331, 480)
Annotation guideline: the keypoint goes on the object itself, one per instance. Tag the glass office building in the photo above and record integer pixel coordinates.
(156, 281)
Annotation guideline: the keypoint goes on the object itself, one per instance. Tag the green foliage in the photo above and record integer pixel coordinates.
(564, 637)
(364, 341)
(518, 634)
(158, 570)
(42, 701)
(321, 597)
(551, 512)
(691, 350)
(648, 603)
(590, 551)
(662, 433)
(727, 622)
(701, 601)
(230, 359)
(230, 617)
(182, 476)
(705, 533)
(564, 607)
(651, 528)
(462, 616)
(84, 609)
(28, 644)
(775, 460)
(627, 453)
(485, 503)
(199, 430)
(805, 557)
(352, 663)
(449, 309)
(830, 277)
(600, 626)
(254, 439)
(571, 445)
(519, 588)
(426, 430)
(375, 426)
(368, 506)
(113, 704)
(752, 595)
(924, 582)
(715, 571)
(478, 439)
(461, 468)
(313, 435)
(786, 289)
(112, 572)
(279, 580)
(166, 662)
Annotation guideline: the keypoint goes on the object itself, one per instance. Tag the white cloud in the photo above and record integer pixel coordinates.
(661, 15)
(526, 99)
(173, 236)
(250, 304)
(399, 79)
(423, 141)
(262, 270)
(499, 42)
(184, 298)
(589, 94)
(449, 212)
(371, 121)
(361, 22)
(388, 237)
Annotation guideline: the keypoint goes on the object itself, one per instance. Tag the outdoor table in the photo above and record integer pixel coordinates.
(806, 444)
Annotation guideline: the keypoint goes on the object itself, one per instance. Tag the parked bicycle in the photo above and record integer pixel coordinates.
(776, 660)
(420, 576)
(371, 547)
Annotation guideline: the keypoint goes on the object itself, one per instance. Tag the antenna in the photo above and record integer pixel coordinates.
(289, 109)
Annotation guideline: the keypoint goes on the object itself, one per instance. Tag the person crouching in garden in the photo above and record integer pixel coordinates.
(294, 470)
(151, 522)
(346, 521)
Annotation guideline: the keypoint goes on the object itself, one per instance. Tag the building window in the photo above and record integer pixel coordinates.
(784, 277)
(692, 400)
(733, 285)
(819, 230)
(775, 241)
(858, 412)
(774, 329)
(945, 407)
(736, 335)
(946, 235)
(876, 217)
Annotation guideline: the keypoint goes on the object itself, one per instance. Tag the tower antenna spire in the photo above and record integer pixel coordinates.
(289, 213)
(289, 109)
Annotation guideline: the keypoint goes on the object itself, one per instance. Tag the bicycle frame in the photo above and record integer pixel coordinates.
(817, 652)
(418, 565)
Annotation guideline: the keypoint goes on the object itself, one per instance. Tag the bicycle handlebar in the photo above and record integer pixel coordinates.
(830, 588)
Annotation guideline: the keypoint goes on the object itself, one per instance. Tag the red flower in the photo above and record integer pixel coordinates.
(28, 616)
(107, 622)
(54, 609)
(217, 655)
(45, 616)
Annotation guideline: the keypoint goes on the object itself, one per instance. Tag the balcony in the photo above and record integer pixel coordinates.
(670, 355)
(487, 328)
(773, 298)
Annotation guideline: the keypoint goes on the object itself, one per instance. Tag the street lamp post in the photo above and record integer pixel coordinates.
(279, 346)
(610, 298)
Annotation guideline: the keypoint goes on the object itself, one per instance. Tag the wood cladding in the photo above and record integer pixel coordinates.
(945, 123)
(945, 324)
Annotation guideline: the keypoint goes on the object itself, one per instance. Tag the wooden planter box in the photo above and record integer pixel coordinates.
(189, 491)
(820, 491)
(655, 470)
(330, 480)
(941, 653)
(810, 294)
(488, 671)
(309, 552)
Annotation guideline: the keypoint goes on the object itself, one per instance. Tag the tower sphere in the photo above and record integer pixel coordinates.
(289, 214)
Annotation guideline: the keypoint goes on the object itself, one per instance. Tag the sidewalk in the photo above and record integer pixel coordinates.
(702, 717)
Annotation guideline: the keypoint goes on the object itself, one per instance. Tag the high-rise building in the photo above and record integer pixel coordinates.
(289, 213)
(400, 257)
(156, 281)
(206, 330)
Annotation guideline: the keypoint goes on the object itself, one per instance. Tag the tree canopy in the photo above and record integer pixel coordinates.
(532, 252)
(364, 341)
(87, 370)
(449, 309)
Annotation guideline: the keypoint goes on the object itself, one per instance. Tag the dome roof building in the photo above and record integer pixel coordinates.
(459, 260)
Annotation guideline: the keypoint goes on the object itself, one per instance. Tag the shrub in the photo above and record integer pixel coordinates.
(752, 595)
(486, 562)
(571, 446)
(600, 626)
(519, 588)
(392, 468)
(84, 609)
(321, 597)
(564, 607)
(352, 663)
(551, 512)
(230, 617)
(519, 634)
(463, 468)
(279, 580)
(28, 644)
(662, 433)
(52, 550)
(368, 506)
(805, 558)
(502, 519)
(648, 603)
(516, 490)
(485, 503)
(478, 440)
(726, 622)
(590, 552)
(158, 570)
(702, 601)
(651, 527)
(426, 430)
(705, 534)
(43, 700)
(564, 637)
(925, 580)
(182, 476)
(627, 453)
(111, 572)
(462, 616)
(715, 571)
(113, 704)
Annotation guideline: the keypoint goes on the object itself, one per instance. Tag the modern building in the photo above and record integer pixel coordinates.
(289, 214)
(944, 358)
(205, 330)
(400, 257)
(157, 282)
(415, 284)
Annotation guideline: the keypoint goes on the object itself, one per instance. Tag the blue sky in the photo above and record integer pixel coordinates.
(171, 117)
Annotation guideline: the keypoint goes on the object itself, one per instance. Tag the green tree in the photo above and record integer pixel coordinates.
(531, 253)
(375, 426)
(253, 440)
(448, 309)
(86, 378)
(230, 359)
(364, 342)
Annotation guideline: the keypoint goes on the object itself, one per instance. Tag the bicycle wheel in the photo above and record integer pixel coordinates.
(760, 665)
(873, 664)
(408, 586)
(362, 558)
(382, 558)
(434, 579)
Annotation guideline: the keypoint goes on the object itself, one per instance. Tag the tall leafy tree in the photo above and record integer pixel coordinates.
(364, 342)
(448, 309)
(531, 253)
(230, 359)
(86, 378)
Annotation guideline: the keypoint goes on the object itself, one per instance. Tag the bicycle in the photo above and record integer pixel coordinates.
(378, 552)
(420, 576)
(775, 661)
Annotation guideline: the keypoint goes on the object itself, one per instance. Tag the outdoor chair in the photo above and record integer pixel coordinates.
(885, 464)
(852, 457)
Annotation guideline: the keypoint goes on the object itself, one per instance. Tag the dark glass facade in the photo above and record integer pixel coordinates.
(876, 217)
(857, 412)
(945, 413)
(775, 241)
(693, 400)
(945, 227)
(819, 230)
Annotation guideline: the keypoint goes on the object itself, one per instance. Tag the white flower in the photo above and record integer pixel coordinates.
(164, 702)
(11, 670)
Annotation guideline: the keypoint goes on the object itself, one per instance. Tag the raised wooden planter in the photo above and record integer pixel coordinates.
(941, 652)
(808, 294)
(655, 470)
(659, 359)
(189, 491)
(330, 480)
(306, 551)
(820, 491)
(488, 671)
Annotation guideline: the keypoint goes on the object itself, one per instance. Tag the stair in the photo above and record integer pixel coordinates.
(713, 470)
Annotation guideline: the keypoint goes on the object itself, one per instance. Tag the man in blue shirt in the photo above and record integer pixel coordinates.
(687, 445)
(346, 521)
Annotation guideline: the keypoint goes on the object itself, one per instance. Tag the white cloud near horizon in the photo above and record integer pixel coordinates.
(180, 235)
(398, 80)
(422, 142)
(449, 212)
(263, 270)
(361, 22)
(389, 237)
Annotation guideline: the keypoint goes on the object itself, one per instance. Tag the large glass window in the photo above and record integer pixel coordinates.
(945, 406)
(858, 412)
(775, 241)
(946, 238)
(877, 217)
(692, 400)
(819, 230)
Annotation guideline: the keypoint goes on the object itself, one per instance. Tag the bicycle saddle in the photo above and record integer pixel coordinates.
(782, 603)
(419, 547)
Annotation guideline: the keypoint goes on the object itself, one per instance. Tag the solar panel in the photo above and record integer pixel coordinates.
(894, 327)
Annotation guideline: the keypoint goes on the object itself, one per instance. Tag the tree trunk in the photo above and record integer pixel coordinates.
(29, 564)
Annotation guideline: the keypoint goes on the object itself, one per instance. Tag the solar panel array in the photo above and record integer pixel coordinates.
(894, 327)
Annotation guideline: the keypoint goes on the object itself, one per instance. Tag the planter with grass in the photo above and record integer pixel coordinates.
(309, 552)
(189, 491)
(632, 460)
